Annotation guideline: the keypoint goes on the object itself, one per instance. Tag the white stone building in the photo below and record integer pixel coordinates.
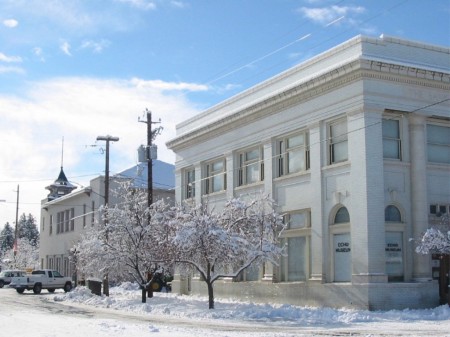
(68, 212)
(354, 145)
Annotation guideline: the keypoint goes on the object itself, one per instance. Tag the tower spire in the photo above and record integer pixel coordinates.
(62, 152)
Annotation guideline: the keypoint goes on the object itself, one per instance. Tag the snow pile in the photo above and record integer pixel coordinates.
(127, 297)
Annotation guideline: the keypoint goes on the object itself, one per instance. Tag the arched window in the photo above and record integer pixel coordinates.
(342, 216)
(392, 214)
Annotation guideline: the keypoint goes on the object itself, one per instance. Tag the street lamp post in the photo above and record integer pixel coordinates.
(107, 139)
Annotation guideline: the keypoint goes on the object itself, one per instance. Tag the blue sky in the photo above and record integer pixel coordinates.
(82, 68)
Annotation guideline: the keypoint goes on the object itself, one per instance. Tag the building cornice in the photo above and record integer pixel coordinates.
(355, 70)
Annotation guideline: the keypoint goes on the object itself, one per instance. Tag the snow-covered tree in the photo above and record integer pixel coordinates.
(225, 243)
(28, 229)
(6, 238)
(26, 256)
(127, 243)
(436, 239)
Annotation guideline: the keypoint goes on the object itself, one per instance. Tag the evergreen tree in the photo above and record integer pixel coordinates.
(6, 238)
(28, 229)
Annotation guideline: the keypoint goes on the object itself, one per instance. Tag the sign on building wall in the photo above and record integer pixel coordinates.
(342, 258)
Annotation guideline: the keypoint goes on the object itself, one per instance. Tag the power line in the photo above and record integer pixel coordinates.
(304, 37)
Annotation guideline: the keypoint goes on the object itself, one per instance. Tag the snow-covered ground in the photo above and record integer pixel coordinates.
(230, 318)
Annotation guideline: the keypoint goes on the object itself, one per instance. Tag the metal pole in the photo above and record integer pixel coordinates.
(107, 139)
(149, 162)
(17, 223)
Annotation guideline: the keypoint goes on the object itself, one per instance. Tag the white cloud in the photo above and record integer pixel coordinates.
(141, 4)
(168, 86)
(325, 15)
(37, 51)
(79, 109)
(178, 4)
(9, 59)
(16, 70)
(97, 47)
(10, 23)
(65, 47)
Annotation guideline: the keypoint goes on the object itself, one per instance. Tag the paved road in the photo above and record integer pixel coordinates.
(14, 309)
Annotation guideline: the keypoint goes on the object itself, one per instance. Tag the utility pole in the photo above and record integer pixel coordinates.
(150, 154)
(151, 134)
(107, 139)
(16, 231)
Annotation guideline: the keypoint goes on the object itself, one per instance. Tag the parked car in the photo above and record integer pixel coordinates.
(41, 279)
(7, 275)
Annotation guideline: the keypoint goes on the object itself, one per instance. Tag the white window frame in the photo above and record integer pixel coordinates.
(285, 153)
(213, 175)
(248, 165)
(335, 140)
(389, 139)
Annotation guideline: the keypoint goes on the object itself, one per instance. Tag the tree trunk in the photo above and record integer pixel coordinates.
(144, 298)
(149, 287)
(210, 295)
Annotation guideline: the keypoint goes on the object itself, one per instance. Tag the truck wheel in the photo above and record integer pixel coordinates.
(51, 290)
(37, 288)
(67, 287)
(20, 290)
(2, 283)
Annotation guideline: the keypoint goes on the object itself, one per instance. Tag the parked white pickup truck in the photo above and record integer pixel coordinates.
(41, 279)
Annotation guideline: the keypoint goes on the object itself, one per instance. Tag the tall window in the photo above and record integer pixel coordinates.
(438, 144)
(50, 230)
(84, 215)
(338, 142)
(293, 154)
(391, 139)
(189, 179)
(216, 178)
(67, 220)
(295, 265)
(251, 166)
(72, 219)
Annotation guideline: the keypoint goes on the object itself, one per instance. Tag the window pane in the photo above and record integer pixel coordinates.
(296, 259)
(252, 155)
(296, 160)
(392, 214)
(438, 134)
(217, 182)
(339, 152)
(439, 153)
(296, 141)
(297, 220)
(391, 129)
(252, 173)
(217, 166)
(342, 216)
(391, 149)
(339, 130)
